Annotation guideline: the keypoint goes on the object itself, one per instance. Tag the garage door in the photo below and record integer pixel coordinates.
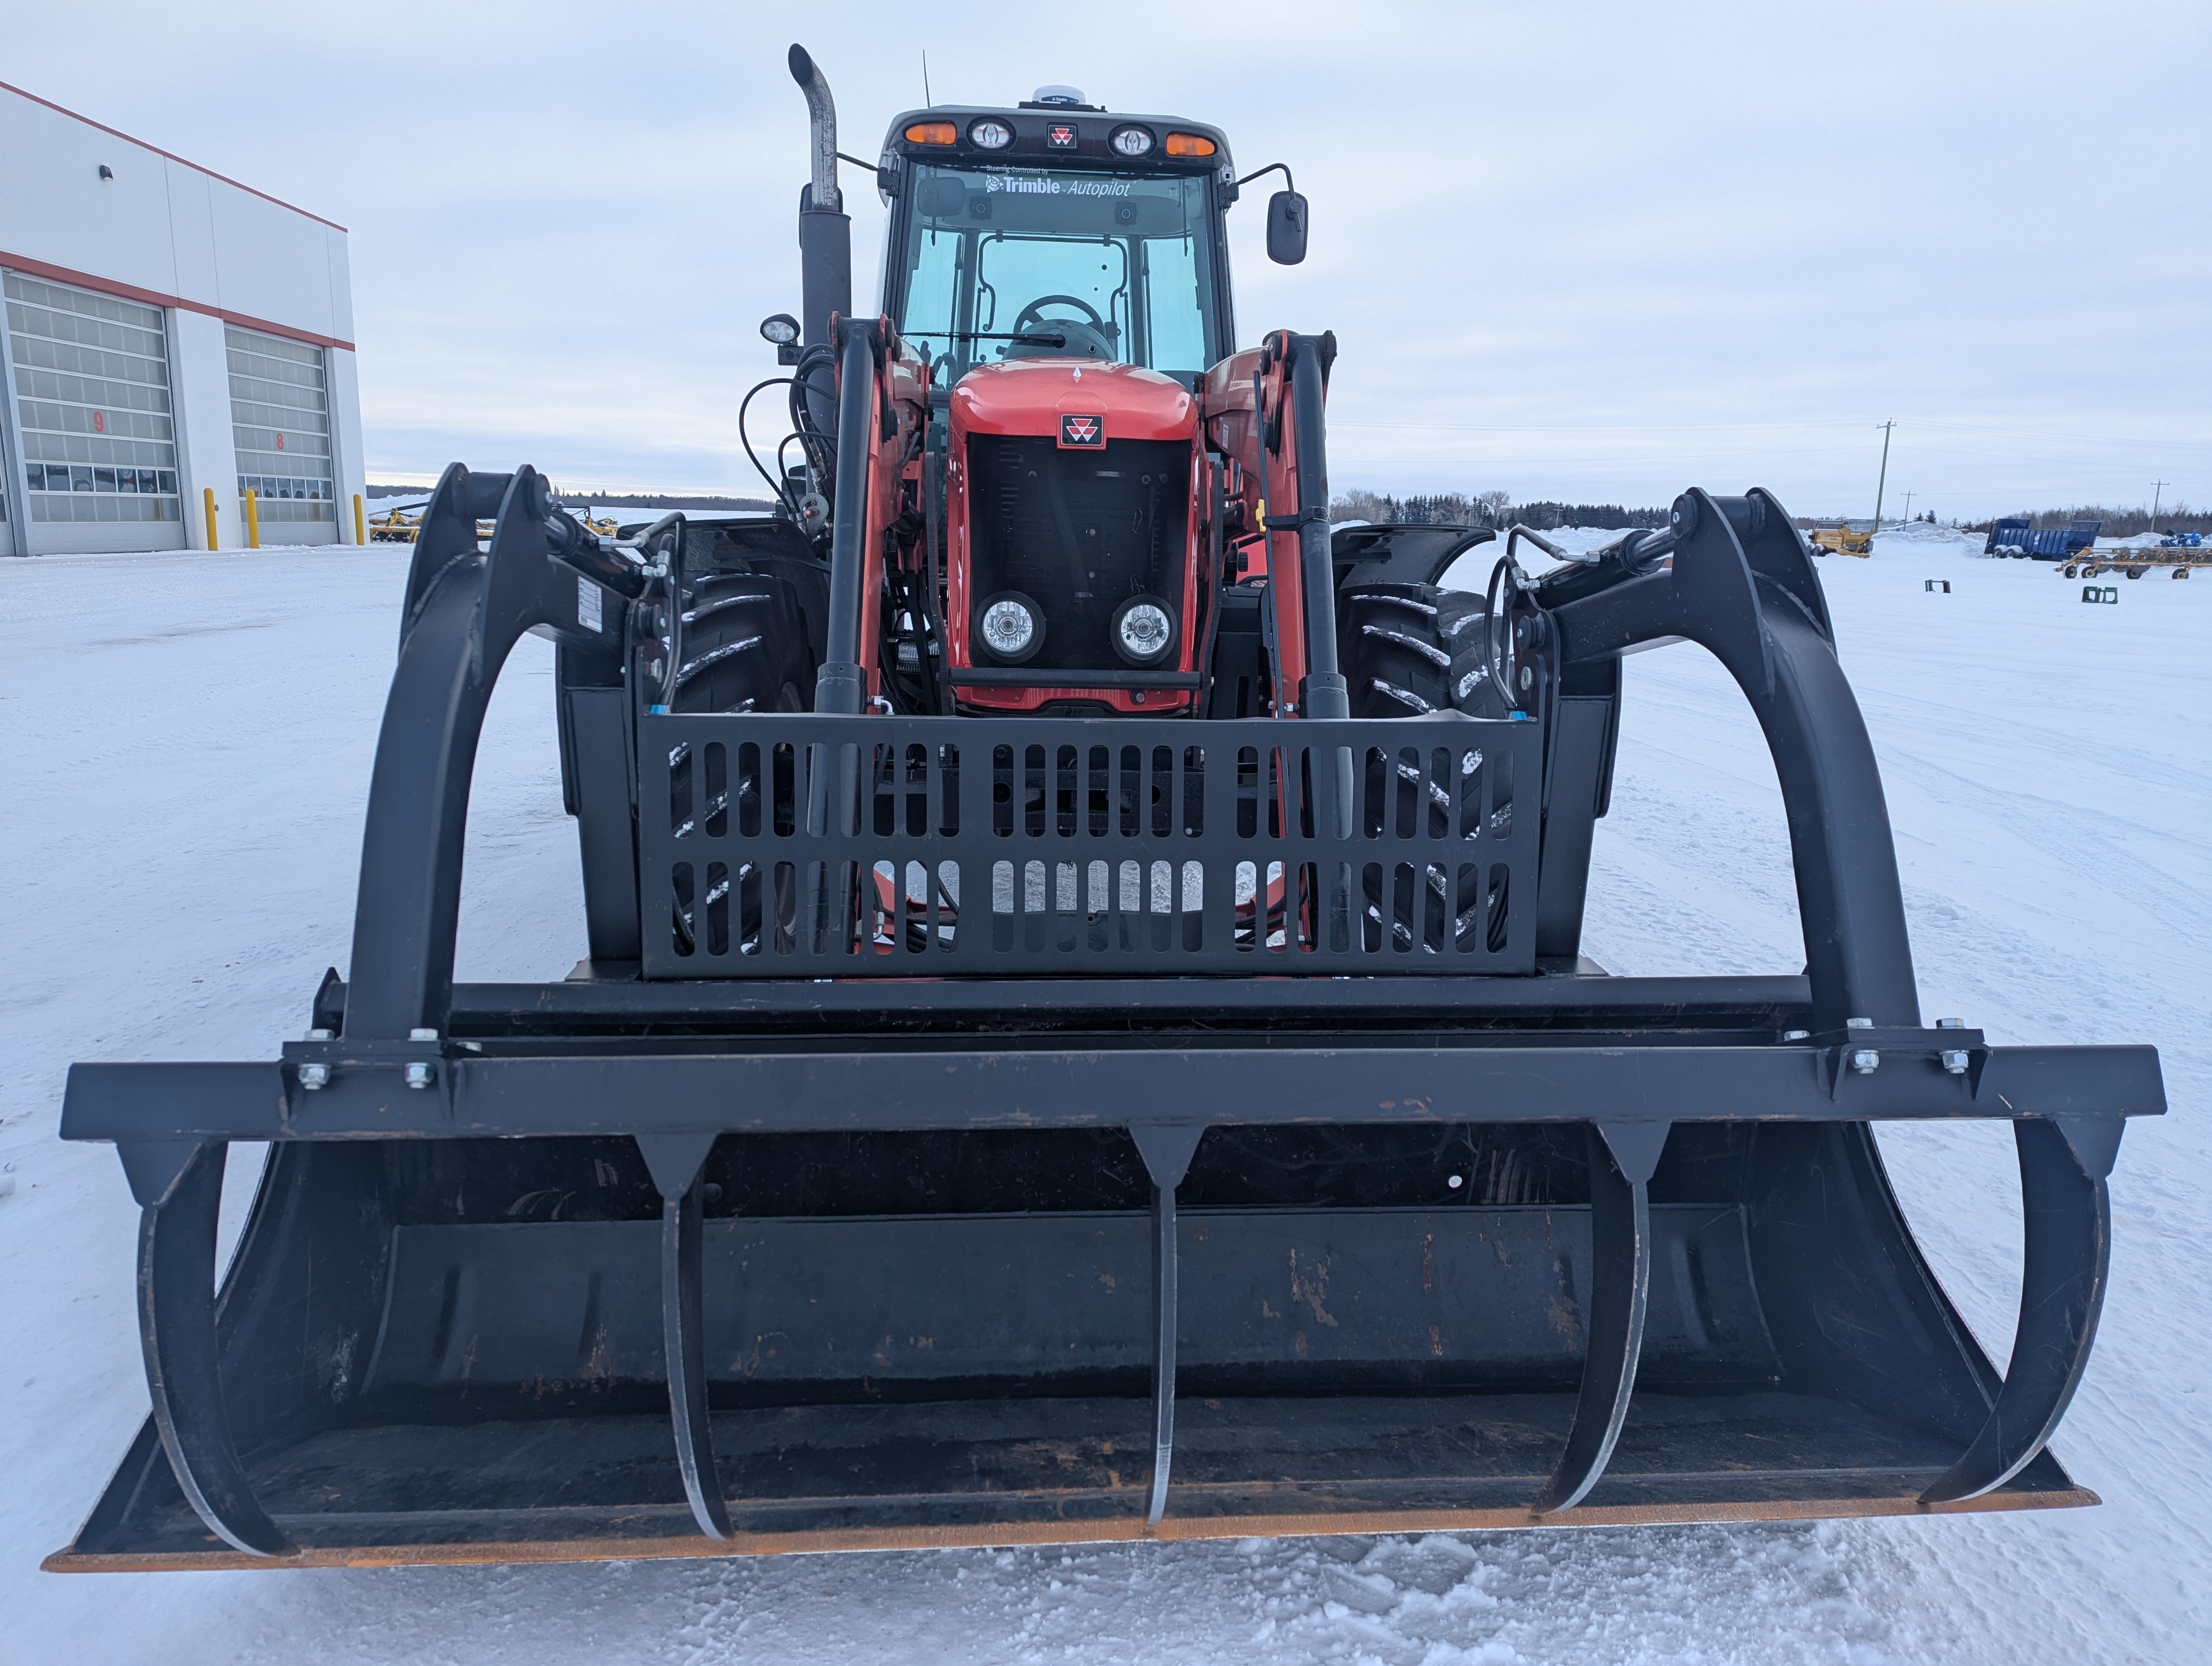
(280, 413)
(91, 402)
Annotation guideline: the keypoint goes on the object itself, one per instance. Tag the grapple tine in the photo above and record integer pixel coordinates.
(678, 1165)
(1167, 1150)
(1164, 1348)
(176, 1327)
(2067, 1218)
(1622, 1159)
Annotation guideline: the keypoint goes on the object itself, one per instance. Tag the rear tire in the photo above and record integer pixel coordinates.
(1409, 649)
(744, 647)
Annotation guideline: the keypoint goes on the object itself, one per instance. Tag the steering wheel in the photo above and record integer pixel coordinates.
(1034, 312)
(1089, 336)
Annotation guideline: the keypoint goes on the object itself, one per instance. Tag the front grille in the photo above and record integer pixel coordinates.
(804, 846)
(1077, 531)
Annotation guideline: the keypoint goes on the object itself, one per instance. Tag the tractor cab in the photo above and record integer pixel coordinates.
(1058, 229)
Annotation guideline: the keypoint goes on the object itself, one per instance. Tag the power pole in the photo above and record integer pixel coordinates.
(2157, 487)
(1881, 483)
(1908, 505)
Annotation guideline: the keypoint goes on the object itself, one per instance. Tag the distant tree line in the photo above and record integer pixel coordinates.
(616, 500)
(1497, 509)
(664, 501)
(2119, 523)
(1491, 508)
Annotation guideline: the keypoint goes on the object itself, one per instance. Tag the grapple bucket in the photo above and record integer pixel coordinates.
(978, 1132)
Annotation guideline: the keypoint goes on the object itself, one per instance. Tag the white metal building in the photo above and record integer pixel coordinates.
(166, 333)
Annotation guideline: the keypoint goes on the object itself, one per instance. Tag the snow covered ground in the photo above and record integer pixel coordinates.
(187, 741)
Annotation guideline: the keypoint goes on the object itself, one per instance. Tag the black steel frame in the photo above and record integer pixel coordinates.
(400, 1053)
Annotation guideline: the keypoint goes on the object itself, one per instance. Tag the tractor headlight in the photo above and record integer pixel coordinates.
(990, 134)
(1144, 631)
(1010, 627)
(1131, 141)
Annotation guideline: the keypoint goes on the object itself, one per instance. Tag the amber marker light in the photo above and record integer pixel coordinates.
(1186, 144)
(933, 132)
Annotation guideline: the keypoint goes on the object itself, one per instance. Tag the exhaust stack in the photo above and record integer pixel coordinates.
(825, 231)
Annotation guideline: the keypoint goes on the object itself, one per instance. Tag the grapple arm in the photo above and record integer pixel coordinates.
(1733, 576)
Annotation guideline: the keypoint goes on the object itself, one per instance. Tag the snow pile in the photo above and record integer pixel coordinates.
(189, 739)
(1918, 538)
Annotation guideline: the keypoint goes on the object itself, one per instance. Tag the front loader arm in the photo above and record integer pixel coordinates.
(1264, 408)
(882, 416)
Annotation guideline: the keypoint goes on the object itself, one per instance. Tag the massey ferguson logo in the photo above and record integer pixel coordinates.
(1084, 433)
(1060, 137)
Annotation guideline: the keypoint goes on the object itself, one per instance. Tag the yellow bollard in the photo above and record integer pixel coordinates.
(360, 528)
(207, 493)
(253, 521)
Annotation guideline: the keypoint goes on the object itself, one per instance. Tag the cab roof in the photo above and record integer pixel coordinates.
(1039, 140)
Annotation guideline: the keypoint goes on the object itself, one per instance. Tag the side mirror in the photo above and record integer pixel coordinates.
(1286, 228)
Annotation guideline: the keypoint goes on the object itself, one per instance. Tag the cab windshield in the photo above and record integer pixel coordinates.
(1017, 262)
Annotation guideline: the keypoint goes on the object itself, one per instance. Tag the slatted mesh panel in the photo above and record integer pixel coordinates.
(798, 846)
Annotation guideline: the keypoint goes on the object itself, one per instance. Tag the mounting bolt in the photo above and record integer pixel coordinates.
(1866, 1061)
(423, 1035)
(1528, 676)
(1796, 1035)
(1858, 1024)
(318, 1035)
(1954, 1058)
(313, 1076)
(421, 1075)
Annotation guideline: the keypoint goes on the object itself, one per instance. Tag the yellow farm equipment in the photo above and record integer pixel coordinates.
(1841, 539)
(403, 525)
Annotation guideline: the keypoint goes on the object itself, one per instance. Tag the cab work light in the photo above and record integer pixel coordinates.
(1185, 145)
(989, 134)
(933, 132)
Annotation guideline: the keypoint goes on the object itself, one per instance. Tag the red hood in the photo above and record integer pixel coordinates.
(1030, 396)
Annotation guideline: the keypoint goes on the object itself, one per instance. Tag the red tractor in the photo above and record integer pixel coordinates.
(1083, 1032)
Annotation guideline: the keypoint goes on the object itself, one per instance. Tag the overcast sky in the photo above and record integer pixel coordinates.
(1596, 252)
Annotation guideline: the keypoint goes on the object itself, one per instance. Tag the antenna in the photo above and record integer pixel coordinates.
(927, 102)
